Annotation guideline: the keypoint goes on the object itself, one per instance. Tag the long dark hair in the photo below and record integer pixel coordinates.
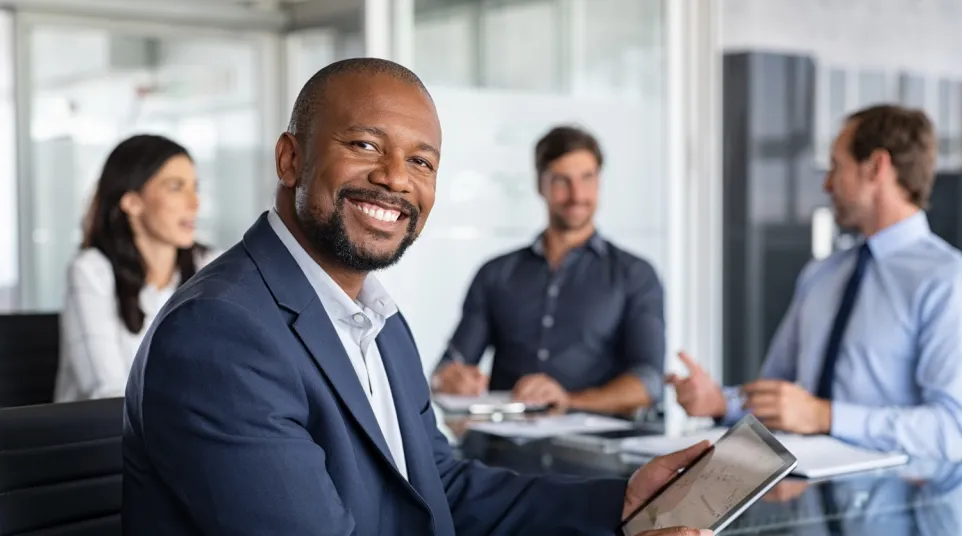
(106, 227)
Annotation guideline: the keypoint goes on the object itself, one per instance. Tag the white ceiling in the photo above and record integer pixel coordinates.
(270, 15)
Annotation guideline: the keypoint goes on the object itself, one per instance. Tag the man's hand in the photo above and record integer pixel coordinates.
(676, 531)
(652, 477)
(781, 405)
(541, 389)
(698, 393)
(460, 379)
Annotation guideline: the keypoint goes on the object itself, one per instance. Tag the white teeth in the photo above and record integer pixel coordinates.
(379, 213)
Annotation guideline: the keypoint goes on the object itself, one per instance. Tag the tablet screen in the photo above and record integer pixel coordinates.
(738, 469)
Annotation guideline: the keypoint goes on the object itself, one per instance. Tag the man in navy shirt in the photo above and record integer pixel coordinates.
(575, 321)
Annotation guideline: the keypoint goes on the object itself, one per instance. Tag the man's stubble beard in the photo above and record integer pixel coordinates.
(329, 237)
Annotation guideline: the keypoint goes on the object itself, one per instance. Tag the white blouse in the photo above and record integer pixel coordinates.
(96, 349)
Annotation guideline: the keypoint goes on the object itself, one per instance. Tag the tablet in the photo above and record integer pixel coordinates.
(719, 485)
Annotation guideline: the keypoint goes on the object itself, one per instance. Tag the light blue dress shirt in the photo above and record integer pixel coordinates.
(898, 379)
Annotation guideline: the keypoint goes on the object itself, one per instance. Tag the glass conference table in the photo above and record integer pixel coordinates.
(923, 498)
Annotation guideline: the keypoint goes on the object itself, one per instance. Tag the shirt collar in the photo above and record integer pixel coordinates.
(899, 235)
(336, 302)
(595, 243)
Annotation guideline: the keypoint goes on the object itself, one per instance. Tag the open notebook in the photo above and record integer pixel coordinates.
(818, 456)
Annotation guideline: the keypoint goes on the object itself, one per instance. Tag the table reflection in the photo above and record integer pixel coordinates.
(922, 498)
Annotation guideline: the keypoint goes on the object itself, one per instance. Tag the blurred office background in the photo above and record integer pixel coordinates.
(716, 117)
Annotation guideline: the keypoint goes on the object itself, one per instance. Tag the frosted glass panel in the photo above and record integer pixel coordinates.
(8, 170)
(502, 74)
(93, 88)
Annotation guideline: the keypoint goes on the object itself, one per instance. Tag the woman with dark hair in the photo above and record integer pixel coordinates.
(138, 248)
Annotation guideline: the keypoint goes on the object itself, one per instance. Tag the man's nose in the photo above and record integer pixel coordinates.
(392, 173)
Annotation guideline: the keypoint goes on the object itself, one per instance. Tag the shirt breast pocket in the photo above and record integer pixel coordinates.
(881, 329)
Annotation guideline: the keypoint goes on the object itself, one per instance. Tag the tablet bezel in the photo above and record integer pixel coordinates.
(789, 462)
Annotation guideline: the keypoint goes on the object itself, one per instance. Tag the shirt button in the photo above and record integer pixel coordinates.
(547, 321)
(553, 291)
(359, 318)
(543, 354)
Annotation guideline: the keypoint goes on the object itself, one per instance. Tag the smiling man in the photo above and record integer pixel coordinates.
(575, 321)
(280, 391)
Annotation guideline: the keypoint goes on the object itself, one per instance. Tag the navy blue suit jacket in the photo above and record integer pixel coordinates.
(244, 416)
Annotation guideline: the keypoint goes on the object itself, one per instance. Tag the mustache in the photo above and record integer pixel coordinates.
(378, 196)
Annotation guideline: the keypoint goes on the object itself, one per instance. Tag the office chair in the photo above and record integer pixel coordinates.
(60, 469)
(29, 353)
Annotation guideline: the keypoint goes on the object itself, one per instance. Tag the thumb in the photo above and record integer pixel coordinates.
(692, 365)
(677, 531)
(683, 458)
(683, 531)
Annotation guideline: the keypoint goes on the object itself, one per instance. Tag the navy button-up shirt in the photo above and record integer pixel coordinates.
(598, 316)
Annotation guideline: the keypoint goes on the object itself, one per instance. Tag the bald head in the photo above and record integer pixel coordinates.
(358, 164)
(304, 114)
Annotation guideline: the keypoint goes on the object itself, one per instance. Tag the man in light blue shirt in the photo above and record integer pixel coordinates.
(870, 350)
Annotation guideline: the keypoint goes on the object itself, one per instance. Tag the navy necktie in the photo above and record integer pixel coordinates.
(841, 320)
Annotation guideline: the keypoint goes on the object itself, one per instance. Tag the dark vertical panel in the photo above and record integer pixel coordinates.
(770, 186)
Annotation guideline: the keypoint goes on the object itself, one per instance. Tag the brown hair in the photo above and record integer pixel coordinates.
(561, 141)
(909, 138)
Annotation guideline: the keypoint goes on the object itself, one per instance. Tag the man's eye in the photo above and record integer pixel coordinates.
(364, 145)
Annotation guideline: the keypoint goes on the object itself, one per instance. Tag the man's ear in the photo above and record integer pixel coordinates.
(880, 164)
(131, 204)
(288, 159)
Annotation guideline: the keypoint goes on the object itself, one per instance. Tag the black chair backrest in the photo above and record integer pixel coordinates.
(61, 469)
(29, 353)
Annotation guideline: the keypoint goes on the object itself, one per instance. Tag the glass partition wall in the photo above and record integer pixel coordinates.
(86, 84)
(501, 72)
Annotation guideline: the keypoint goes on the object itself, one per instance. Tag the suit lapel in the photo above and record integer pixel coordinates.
(316, 331)
(393, 342)
(313, 326)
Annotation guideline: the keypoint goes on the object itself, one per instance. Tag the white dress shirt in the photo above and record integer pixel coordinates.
(357, 324)
(96, 348)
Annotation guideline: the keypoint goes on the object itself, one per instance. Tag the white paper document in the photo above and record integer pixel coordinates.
(544, 427)
(459, 403)
(818, 456)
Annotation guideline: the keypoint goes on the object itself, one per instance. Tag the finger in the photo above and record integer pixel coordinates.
(683, 458)
(477, 386)
(454, 381)
(479, 381)
(539, 393)
(766, 412)
(524, 387)
(677, 531)
(673, 379)
(772, 423)
(685, 398)
(761, 401)
(466, 381)
(549, 393)
(762, 386)
(691, 364)
(684, 394)
(474, 371)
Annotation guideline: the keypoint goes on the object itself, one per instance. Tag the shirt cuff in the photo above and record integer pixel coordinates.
(653, 380)
(849, 421)
(734, 403)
